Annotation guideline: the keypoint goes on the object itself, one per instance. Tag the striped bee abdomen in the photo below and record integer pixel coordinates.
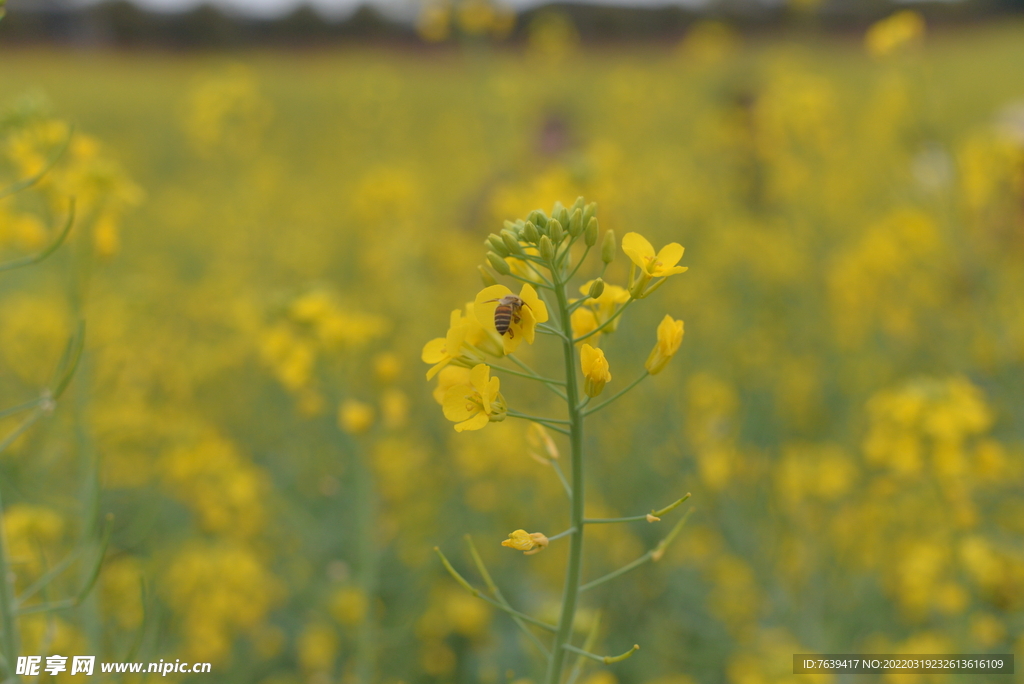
(502, 318)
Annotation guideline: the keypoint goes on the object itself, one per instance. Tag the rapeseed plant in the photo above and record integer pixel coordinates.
(545, 253)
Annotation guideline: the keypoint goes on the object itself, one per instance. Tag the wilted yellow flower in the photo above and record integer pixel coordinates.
(355, 417)
(533, 311)
(527, 542)
(670, 336)
(894, 32)
(542, 447)
(472, 406)
(595, 370)
(441, 350)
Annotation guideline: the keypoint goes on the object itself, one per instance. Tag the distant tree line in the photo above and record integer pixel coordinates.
(121, 23)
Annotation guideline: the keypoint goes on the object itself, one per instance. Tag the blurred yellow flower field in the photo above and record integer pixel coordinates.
(263, 243)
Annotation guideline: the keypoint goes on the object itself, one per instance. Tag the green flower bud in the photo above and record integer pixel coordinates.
(590, 237)
(486, 276)
(512, 242)
(596, 288)
(576, 223)
(539, 218)
(496, 244)
(498, 264)
(578, 204)
(555, 231)
(589, 211)
(531, 233)
(508, 225)
(547, 248)
(608, 247)
(561, 214)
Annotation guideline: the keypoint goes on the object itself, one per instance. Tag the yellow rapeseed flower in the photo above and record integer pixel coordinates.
(605, 305)
(584, 321)
(595, 370)
(670, 336)
(533, 312)
(527, 542)
(355, 417)
(449, 377)
(472, 406)
(894, 33)
(660, 265)
(442, 350)
(650, 264)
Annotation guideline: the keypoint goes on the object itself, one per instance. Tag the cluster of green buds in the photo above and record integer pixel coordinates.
(548, 237)
(544, 252)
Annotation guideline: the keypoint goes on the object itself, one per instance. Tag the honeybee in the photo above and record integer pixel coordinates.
(507, 312)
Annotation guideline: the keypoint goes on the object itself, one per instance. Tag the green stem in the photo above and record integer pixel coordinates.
(603, 521)
(540, 421)
(20, 430)
(618, 394)
(537, 419)
(546, 381)
(368, 570)
(553, 385)
(561, 476)
(635, 518)
(476, 592)
(10, 629)
(21, 407)
(607, 660)
(652, 555)
(570, 592)
(489, 581)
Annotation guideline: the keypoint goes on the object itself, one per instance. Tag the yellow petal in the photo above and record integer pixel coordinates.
(479, 377)
(583, 321)
(492, 392)
(527, 326)
(433, 351)
(638, 249)
(669, 256)
(537, 306)
(510, 344)
(475, 423)
(436, 368)
(458, 403)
